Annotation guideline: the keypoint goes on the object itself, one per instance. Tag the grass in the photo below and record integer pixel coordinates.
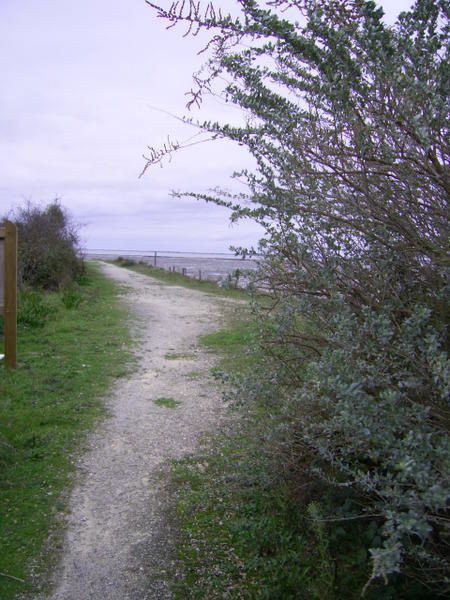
(250, 524)
(167, 402)
(239, 532)
(68, 355)
(241, 535)
(179, 356)
(193, 375)
(236, 345)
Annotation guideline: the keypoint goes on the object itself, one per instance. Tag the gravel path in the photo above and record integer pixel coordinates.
(117, 545)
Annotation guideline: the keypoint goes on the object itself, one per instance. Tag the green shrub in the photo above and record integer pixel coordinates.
(33, 308)
(382, 389)
(6, 451)
(49, 252)
(347, 120)
(71, 297)
(126, 262)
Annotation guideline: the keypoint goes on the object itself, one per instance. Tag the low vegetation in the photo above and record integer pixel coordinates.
(167, 402)
(242, 532)
(252, 520)
(178, 356)
(71, 344)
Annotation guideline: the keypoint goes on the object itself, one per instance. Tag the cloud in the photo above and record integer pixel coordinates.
(80, 82)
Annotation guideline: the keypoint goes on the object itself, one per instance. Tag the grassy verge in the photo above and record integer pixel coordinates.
(70, 347)
(251, 523)
(235, 344)
(240, 533)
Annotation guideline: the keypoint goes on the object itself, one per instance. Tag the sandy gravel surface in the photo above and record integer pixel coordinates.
(118, 545)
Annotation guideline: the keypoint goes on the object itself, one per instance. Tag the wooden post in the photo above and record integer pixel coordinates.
(154, 259)
(10, 310)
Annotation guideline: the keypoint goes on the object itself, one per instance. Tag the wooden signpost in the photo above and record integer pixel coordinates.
(8, 290)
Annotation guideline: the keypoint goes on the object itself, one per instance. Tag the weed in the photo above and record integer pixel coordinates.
(217, 372)
(193, 375)
(325, 568)
(179, 356)
(167, 402)
(34, 308)
(71, 297)
(236, 344)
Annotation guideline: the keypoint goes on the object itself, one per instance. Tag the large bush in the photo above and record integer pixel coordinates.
(49, 250)
(348, 121)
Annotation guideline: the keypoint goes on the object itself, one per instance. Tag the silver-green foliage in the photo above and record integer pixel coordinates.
(348, 122)
(382, 393)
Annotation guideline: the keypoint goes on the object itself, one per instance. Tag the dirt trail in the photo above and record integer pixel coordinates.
(117, 543)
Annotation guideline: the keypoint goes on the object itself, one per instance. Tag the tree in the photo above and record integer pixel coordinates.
(348, 121)
(49, 251)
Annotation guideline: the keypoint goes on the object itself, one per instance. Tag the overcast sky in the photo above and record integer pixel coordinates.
(81, 82)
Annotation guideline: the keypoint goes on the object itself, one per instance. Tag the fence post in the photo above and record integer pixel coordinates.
(154, 259)
(10, 295)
